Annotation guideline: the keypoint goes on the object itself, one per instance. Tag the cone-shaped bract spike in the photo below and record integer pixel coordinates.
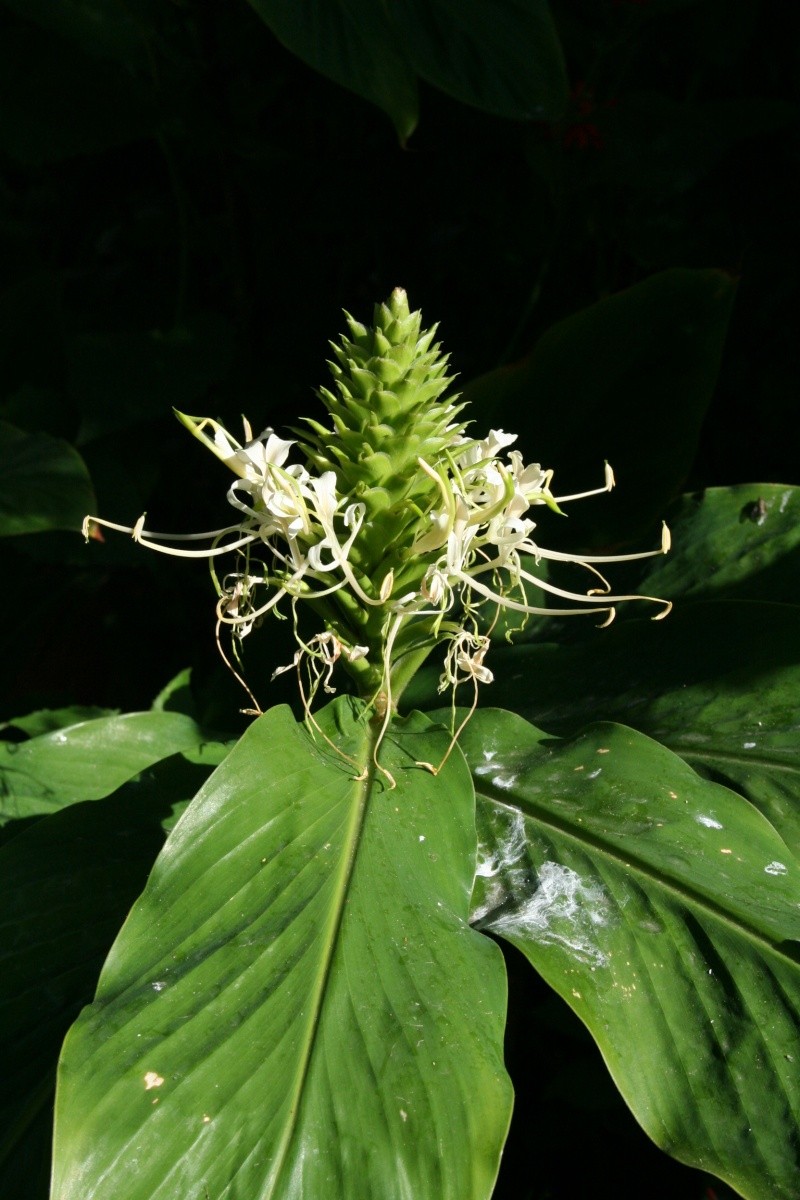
(388, 411)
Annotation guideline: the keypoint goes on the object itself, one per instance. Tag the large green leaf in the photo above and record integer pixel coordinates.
(716, 682)
(87, 761)
(66, 884)
(49, 720)
(666, 911)
(504, 58)
(44, 483)
(297, 1003)
(352, 42)
(735, 543)
(628, 380)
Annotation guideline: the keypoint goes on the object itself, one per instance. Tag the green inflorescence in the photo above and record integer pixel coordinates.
(387, 412)
(395, 530)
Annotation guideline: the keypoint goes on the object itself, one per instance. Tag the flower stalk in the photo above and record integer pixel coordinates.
(398, 528)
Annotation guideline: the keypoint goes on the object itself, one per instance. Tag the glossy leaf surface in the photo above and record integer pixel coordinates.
(88, 760)
(717, 683)
(66, 884)
(296, 1001)
(49, 720)
(666, 911)
(738, 543)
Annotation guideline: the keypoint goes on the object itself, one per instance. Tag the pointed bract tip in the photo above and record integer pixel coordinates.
(398, 303)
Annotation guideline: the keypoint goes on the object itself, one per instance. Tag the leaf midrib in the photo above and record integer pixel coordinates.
(360, 803)
(637, 865)
(730, 756)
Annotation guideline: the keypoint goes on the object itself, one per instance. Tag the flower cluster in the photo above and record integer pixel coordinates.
(398, 529)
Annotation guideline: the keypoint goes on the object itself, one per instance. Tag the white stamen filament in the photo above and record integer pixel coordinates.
(472, 524)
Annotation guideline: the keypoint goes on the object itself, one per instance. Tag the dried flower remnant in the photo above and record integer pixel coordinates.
(395, 526)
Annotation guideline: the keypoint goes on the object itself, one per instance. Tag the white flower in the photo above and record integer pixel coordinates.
(258, 456)
(294, 537)
(464, 660)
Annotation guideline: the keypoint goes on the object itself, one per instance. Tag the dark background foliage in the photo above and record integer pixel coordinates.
(185, 208)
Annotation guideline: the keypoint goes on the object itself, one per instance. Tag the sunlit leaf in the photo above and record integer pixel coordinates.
(87, 761)
(666, 911)
(66, 884)
(296, 1001)
(48, 720)
(738, 543)
(717, 683)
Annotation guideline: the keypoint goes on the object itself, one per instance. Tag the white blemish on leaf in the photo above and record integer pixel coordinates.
(152, 1079)
(776, 868)
(709, 822)
(507, 850)
(504, 782)
(504, 864)
(563, 911)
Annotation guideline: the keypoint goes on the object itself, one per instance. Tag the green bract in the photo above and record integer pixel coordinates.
(396, 526)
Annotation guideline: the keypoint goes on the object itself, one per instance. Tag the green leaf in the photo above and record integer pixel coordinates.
(48, 720)
(44, 483)
(504, 58)
(87, 761)
(666, 911)
(296, 1001)
(717, 683)
(628, 380)
(66, 884)
(176, 696)
(738, 543)
(352, 42)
